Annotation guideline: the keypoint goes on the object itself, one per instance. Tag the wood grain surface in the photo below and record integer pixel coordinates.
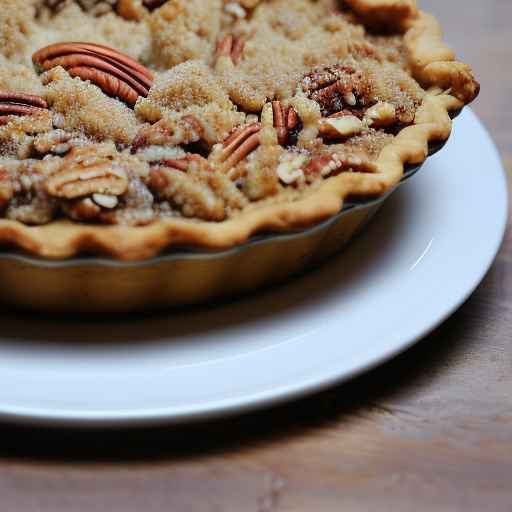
(430, 431)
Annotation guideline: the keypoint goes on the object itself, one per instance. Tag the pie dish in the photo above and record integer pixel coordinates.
(214, 121)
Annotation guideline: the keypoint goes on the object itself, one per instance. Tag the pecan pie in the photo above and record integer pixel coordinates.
(130, 126)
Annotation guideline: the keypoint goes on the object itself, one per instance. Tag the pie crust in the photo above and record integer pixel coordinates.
(449, 85)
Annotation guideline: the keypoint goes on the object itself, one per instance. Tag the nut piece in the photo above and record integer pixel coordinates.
(55, 141)
(229, 49)
(188, 162)
(114, 73)
(85, 172)
(193, 197)
(340, 126)
(380, 115)
(286, 122)
(105, 201)
(337, 87)
(185, 130)
(81, 209)
(242, 142)
(290, 169)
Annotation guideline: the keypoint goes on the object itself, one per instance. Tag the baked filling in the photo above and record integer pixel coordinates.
(208, 109)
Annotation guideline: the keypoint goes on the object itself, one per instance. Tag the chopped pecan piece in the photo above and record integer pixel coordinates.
(290, 169)
(55, 141)
(231, 48)
(81, 209)
(89, 208)
(341, 125)
(135, 207)
(114, 73)
(85, 172)
(380, 115)
(335, 88)
(194, 197)
(286, 122)
(183, 131)
(197, 162)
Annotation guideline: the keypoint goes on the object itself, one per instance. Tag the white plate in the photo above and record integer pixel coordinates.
(417, 262)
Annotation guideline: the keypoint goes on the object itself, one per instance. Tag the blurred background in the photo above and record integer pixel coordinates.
(480, 32)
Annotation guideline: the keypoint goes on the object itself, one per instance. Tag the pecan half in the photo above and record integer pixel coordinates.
(19, 104)
(241, 143)
(84, 173)
(230, 47)
(114, 73)
(286, 122)
(336, 88)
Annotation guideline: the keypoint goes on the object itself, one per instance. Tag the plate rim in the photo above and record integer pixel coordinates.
(226, 407)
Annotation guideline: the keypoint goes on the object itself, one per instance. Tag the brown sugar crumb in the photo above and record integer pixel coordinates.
(184, 30)
(87, 109)
(19, 78)
(72, 23)
(16, 26)
(189, 84)
(191, 89)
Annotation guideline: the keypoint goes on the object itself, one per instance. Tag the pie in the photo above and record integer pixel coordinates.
(128, 127)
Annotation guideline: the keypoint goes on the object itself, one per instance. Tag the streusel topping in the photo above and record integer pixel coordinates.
(199, 109)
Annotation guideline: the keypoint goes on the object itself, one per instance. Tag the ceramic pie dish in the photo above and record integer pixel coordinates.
(224, 145)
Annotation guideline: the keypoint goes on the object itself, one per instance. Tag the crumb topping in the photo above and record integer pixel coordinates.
(232, 105)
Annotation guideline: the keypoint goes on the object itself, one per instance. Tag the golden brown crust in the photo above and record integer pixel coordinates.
(433, 64)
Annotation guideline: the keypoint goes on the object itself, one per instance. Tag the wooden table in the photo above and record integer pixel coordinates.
(430, 431)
